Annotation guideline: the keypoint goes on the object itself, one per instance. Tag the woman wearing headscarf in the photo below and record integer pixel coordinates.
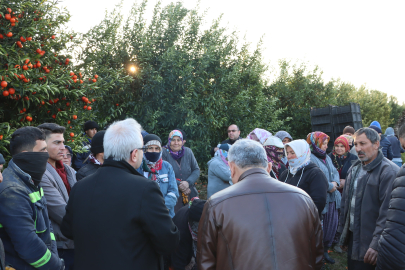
(159, 171)
(305, 174)
(219, 174)
(342, 159)
(184, 165)
(318, 142)
(259, 135)
(285, 137)
(275, 152)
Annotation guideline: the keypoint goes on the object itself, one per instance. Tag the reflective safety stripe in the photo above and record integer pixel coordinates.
(45, 259)
(53, 237)
(36, 196)
(1, 226)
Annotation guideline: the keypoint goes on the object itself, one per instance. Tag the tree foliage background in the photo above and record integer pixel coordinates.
(189, 74)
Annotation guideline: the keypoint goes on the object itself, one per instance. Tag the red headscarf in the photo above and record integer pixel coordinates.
(343, 140)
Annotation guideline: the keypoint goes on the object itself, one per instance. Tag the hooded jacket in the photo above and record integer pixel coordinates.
(25, 228)
(372, 199)
(395, 144)
(386, 147)
(311, 180)
(219, 176)
(391, 247)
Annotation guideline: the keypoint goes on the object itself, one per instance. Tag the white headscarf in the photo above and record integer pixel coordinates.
(259, 135)
(303, 153)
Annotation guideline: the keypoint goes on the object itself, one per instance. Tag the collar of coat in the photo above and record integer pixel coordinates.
(252, 171)
(122, 164)
(373, 164)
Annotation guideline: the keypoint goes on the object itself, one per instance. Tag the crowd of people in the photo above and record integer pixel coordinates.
(129, 201)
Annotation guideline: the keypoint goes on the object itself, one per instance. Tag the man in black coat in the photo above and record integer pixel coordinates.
(391, 254)
(96, 157)
(233, 136)
(117, 217)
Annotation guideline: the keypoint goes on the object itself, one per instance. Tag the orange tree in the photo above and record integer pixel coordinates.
(38, 80)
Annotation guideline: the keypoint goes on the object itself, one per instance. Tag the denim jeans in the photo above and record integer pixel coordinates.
(398, 163)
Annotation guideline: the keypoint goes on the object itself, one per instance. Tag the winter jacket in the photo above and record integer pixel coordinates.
(260, 223)
(227, 141)
(181, 257)
(57, 197)
(25, 229)
(395, 146)
(2, 257)
(219, 176)
(81, 159)
(386, 148)
(372, 199)
(333, 176)
(168, 185)
(187, 170)
(118, 220)
(391, 251)
(311, 180)
(347, 163)
(87, 170)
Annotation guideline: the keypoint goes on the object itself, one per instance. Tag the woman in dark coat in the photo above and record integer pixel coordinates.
(342, 158)
(304, 174)
(184, 165)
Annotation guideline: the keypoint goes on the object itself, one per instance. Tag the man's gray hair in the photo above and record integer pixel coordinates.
(247, 153)
(121, 138)
(371, 134)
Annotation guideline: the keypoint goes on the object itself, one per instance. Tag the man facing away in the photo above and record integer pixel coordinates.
(259, 222)
(365, 200)
(57, 182)
(80, 159)
(96, 157)
(25, 228)
(117, 217)
(233, 136)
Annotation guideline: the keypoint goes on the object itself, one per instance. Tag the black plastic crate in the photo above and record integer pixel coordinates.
(351, 108)
(321, 111)
(325, 128)
(347, 117)
(321, 119)
(338, 128)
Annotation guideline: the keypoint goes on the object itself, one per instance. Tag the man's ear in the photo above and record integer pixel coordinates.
(269, 166)
(377, 145)
(133, 156)
(232, 168)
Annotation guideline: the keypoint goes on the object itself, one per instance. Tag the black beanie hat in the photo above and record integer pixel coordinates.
(97, 143)
(90, 125)
(151, 137)
(196, 209)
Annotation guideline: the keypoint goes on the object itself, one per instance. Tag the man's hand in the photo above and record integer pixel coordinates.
(371, 256)
(183, 186)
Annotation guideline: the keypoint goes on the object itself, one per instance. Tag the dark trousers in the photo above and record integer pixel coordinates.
(68, 255)
(353, 264)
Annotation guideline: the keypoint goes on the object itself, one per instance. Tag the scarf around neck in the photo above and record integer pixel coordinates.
(152, 168)
(94, 160)
(274, 157)
(338, 160)
(223, 155)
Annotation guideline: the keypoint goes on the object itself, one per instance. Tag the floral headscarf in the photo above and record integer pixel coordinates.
(274, 157)
(223, 154)
(259, 135)
(179, 154)
(315, 140)
(349, 138)
(303, 153)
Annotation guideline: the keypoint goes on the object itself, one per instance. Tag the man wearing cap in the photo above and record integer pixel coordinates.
(96, 157)
(385, 144)
(187, 220)
(80, 159)
(159, 171)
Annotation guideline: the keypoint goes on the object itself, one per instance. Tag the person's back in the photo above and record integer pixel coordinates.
(117, 217)
(259, 223)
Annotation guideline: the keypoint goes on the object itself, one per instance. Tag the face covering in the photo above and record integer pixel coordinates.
(32, 163)
(152, 156)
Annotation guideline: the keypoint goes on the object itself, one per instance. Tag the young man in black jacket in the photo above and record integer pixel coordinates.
(117, 217)
(96, 157)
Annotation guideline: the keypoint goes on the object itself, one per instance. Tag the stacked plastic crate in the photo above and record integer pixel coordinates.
(332, 120)
(321, 120)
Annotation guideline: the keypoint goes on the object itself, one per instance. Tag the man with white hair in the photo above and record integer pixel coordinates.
(116, 216)
(259, 222)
